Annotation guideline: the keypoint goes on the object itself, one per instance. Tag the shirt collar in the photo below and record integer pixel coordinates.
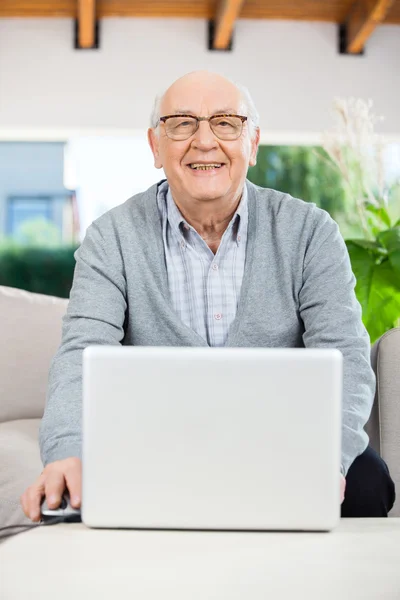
(177, 222)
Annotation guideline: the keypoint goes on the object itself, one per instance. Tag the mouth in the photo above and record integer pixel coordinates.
(206, 168)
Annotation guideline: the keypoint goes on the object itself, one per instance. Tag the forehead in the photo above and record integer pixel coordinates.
(202, 100)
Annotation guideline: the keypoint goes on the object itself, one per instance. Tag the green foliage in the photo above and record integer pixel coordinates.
(376, 266)
(40, 233)
(303, 171)
(41, 270)
(375, 261)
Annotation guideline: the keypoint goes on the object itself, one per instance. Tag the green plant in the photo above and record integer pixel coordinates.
(39, 233)
(358, 154)
(302, 171)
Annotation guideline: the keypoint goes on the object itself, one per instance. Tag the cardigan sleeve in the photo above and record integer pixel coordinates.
(332, 318)
(95, 315)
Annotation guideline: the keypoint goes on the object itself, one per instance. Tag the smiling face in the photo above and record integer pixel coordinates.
(203, 94)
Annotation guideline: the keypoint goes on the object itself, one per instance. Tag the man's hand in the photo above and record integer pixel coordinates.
(342, 487)
(55, 478)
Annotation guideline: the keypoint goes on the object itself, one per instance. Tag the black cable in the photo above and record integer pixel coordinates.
(24, 528)
(50, 521)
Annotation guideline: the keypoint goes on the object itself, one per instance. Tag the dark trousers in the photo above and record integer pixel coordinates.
(370, 490)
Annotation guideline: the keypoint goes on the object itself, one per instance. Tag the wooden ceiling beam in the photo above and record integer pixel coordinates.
(86, 24)
(227, 13)
(363, 17)
(334, 11)
(38, 8)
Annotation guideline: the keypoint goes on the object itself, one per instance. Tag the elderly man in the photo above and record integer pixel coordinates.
(205, 258)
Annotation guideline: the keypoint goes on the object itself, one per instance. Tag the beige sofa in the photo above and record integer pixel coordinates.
(30, 329)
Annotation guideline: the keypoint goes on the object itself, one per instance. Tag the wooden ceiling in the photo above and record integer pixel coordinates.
(358, 17)
(335, 11)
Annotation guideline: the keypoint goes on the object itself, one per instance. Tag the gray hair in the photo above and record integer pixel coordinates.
(247, 100)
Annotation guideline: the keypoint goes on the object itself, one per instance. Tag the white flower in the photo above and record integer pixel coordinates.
(357, 150)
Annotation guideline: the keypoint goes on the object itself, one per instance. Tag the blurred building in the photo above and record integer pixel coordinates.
(32, 192)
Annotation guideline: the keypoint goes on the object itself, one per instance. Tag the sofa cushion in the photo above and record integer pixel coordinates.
(30, 326)
(385, 358)
(20, 465)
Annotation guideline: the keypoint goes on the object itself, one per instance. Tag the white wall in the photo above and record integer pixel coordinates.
(292, 69)
(105, 171)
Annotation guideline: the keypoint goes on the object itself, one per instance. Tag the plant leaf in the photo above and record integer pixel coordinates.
(377, 290)
(394, 259)
(390, 239)
(364, 244)
(362, 263)
(380, 212)
(384, 301)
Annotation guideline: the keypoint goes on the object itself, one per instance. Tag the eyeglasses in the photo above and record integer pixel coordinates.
(182, 127)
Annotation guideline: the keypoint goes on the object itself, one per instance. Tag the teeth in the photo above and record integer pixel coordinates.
(197, 166)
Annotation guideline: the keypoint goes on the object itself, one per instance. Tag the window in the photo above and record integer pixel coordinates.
(27, 208)
(41, 218)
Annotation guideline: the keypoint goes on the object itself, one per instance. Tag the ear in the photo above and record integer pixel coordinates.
(154, 143)
(254, 148)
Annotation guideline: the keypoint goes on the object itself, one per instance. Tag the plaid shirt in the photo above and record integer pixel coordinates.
(204, 288)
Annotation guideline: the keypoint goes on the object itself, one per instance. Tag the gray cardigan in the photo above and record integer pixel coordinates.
(297, 291)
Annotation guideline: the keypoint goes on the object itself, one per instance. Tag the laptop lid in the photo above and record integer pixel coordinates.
(211, 438)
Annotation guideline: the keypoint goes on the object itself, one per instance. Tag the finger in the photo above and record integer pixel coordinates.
(24, 503)
(34, 496)
(342, 488)
(73, 479)
(54, 488)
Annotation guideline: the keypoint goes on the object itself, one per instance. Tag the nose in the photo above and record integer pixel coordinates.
(204, 139)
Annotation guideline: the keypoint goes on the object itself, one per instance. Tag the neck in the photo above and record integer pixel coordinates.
(210, 218)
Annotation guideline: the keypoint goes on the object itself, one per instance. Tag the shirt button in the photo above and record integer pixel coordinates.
(218, 316)
(183, 245)
(215, 267)
(186, 227)
(239, 237)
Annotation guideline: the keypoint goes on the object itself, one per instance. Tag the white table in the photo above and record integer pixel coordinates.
(360, 560)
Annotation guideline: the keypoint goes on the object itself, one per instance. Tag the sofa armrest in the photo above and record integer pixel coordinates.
(383, 426)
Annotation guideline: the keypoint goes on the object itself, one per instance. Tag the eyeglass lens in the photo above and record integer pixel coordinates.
(226, 128)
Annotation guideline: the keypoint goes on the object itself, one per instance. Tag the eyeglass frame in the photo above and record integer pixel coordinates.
(198, 119)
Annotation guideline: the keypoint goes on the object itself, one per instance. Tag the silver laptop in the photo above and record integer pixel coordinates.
(211, 438)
